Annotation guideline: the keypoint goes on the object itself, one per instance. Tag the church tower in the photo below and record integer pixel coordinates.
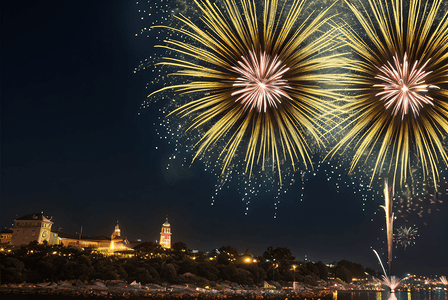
(165, 235)
(117, 233)
(115, 239)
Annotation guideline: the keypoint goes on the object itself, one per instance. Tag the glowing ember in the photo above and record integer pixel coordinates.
(261, 81)
(404, 88)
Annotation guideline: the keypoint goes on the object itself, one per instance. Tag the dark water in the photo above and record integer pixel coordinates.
(423, 295)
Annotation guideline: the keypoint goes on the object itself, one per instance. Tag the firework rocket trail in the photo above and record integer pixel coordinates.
(388, 201)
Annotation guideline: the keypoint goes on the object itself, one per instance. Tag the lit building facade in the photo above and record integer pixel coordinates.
(165, 235)
(6, 236)
(117, 233)
(100, 243)
(33, 227)
(37, 227)
(116, 241)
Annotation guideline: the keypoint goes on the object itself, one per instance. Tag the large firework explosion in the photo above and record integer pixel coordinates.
(398, 118)
(251, 88)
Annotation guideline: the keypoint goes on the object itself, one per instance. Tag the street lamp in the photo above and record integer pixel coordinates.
(294, 282)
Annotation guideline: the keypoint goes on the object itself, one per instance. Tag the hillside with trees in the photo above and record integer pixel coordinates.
(150, 263)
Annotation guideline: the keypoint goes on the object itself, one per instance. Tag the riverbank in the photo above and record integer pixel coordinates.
(122, 290)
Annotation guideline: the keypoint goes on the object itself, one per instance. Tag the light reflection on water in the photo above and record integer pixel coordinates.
(367, 295)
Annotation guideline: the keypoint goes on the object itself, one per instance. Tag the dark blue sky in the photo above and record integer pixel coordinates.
(73, 146)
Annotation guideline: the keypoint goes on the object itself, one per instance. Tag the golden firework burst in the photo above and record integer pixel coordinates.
(253, 81)
(399, 117)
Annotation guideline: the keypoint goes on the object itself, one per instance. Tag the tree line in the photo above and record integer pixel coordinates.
(150, 263)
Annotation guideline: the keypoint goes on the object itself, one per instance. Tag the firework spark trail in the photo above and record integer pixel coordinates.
(402, 66)
(381, 263)
(444, 280)
(261, 96)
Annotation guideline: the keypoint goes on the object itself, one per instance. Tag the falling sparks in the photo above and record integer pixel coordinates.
(403, 87)
(262, 81)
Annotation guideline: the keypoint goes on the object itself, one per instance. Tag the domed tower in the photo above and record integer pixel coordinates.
(115, 239)
(116, 235)
(165, 235)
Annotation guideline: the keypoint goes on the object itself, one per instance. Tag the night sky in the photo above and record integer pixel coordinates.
(74, 146)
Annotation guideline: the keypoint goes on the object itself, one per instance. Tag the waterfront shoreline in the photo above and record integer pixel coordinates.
(131, 292)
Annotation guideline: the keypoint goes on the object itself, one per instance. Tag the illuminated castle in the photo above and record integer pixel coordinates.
(165, 235)
(37, 227)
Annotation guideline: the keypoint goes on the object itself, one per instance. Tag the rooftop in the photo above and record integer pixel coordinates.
(36, 216)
